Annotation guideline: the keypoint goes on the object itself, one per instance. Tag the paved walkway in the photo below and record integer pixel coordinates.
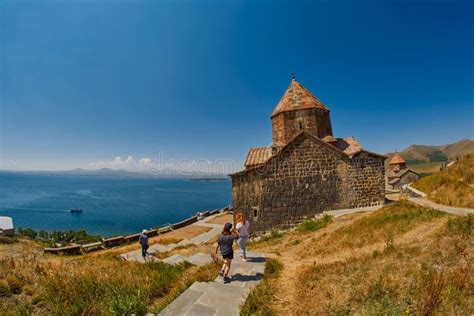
(443, 208)
(197, 259)
(216, 298)
(354, 210)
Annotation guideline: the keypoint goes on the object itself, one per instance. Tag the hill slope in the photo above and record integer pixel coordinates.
(402, 259)
(453, 186)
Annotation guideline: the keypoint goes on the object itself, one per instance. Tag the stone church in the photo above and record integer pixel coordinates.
(306, 170)
(399, 174)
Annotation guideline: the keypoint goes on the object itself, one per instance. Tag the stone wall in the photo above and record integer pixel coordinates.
(306, 178)
(287, 125)
(409, 177)
(366, 180)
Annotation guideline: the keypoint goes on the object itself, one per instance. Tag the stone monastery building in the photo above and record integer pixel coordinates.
(307, 170)
(399, 174)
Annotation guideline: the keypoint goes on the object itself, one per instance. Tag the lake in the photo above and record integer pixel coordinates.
(111, 206)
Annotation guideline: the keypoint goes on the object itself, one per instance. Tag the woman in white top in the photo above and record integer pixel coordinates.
(243, 229)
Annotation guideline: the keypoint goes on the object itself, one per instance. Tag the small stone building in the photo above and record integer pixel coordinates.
(306, 170)
(6, 226)
(399, 174)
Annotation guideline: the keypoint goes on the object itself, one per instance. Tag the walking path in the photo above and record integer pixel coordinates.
(197, 259)
(216, 298)
(354, 210)
(443, 208)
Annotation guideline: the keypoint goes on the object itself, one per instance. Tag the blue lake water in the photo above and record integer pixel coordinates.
(110, 206)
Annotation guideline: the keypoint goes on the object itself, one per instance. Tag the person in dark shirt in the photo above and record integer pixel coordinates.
(225, 243)
(143, 240)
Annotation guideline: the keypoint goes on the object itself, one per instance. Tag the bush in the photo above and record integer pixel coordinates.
(461, 225)
(126, 301)
(273, 268)
(310, 225)
(27, 232)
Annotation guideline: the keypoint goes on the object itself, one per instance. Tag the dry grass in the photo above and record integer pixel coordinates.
(94, 284)
(83, 286)
(222, 219)
(402, 259)
(174, 236)
(258, 302)
(421, 277)
(453, 186)
(392, 221)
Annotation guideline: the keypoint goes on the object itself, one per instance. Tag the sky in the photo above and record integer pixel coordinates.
(127, 84)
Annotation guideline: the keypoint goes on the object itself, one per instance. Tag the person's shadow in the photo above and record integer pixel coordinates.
(246, 278)
(256, 259)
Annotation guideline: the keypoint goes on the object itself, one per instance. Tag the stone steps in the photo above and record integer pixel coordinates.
(216, 298)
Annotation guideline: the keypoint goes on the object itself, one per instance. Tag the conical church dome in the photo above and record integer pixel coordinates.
(297, 97)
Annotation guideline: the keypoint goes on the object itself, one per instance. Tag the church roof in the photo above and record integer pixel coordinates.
(297, 97)
(350, 146)
(258, 156)
(397, 159)
(398, 174)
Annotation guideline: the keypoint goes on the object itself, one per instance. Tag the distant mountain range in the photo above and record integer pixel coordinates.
(427, 159)
(111, 173)
(416, 154)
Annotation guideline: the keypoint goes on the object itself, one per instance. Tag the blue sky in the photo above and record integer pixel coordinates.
(82, 82)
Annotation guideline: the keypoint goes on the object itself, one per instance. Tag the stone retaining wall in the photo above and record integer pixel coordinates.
(121, 240)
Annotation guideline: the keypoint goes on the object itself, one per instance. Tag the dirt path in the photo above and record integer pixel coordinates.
(287, 286)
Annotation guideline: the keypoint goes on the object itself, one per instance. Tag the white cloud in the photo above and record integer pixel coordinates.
(128, 163)
(159, 165)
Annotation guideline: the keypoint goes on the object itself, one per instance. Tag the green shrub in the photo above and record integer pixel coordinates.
(273, 268)
(27, 232)
(310, 225)
(126, 301)
(461, 225)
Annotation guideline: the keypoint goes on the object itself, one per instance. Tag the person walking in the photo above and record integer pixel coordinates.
(143, 240)
(243, 229)
(225, 243)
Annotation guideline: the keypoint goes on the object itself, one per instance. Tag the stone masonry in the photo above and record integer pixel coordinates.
(307, 170)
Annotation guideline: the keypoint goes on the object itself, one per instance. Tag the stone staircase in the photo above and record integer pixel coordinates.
(216, 298)
(198, 259)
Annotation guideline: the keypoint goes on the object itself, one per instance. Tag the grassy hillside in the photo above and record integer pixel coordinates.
(402, 259)
(36, 284)
(453, 186)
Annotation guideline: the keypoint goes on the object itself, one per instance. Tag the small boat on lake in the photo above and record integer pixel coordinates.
(76, 211)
